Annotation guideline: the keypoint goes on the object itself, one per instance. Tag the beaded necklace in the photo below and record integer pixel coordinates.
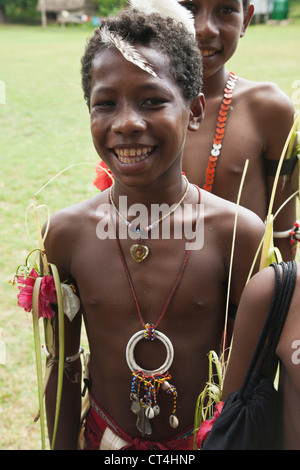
(139, 251)
(146, 383)
(220, 132)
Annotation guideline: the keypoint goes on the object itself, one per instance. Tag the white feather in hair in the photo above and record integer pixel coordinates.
(166, 8)
(127, 50)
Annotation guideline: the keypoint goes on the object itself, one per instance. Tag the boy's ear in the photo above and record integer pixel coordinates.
(197, 108)
(247, 18)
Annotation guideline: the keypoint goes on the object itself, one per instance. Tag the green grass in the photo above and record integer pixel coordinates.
(44, 128)
(270, 53)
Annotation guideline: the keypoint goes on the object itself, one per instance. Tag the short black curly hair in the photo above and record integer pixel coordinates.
(152, 30)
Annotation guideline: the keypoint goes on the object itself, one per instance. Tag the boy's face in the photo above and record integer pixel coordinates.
(138, 122)
(219, 24)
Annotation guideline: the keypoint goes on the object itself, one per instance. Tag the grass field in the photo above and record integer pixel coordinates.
(44, 128)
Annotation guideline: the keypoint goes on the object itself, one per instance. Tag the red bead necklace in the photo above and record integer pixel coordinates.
(220, 132)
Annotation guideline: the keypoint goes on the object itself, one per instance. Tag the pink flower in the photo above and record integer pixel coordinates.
(47, 295)
(102, 180)
(26, 290)
(206, 425)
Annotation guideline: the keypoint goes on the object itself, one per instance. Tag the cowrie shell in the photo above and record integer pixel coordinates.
(173, 420)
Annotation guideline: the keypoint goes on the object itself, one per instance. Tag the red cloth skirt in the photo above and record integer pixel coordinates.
(97, 421)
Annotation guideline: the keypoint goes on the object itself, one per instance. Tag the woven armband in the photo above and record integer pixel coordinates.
(287, 167)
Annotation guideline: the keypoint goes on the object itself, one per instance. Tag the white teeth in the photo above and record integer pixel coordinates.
(208, 52)
(135, 155)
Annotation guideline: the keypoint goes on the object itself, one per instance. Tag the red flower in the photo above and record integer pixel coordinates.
(206, 425)
(103, 180)
(47, 295)
(26, 290)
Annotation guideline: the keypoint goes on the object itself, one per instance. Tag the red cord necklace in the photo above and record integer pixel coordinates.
(146, 383)
(220, 132)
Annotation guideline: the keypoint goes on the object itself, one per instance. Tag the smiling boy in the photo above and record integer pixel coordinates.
(141, 102)
(243, 120)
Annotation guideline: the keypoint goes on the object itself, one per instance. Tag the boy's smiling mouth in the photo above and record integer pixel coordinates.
(208, 52)
(132, 155)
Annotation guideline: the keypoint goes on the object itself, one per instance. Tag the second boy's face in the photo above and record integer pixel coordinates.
(219, 24)
(138, 122)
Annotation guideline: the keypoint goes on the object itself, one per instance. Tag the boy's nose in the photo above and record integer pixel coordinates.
(128, 120)
(206, 26)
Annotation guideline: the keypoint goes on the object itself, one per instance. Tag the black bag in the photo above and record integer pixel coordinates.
(251, 416)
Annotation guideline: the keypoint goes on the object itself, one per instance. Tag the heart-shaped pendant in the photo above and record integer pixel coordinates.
(139, 252)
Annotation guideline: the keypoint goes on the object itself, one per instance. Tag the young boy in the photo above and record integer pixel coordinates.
(251, 315)
(250, 120)
(142, 101)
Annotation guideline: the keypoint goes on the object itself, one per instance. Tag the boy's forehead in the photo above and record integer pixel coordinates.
(157, 59)
(110, 70)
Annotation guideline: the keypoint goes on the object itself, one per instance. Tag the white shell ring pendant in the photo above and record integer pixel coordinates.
(134, 367)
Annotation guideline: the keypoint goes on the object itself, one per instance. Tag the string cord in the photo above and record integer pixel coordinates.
(178, 277)
(147, 229)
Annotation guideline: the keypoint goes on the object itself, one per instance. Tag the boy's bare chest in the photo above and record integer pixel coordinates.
(228, 147)
(170, 278)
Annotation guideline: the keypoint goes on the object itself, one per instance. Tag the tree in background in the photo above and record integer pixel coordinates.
(21, 8)
(109, 7)
(17, 6)
(26, 9)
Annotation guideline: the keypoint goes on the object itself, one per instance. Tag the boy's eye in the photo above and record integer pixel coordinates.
(103, 104)
(153, 101)
(226, 10)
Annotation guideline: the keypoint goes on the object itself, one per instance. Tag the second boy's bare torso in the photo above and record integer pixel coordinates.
(252, 132)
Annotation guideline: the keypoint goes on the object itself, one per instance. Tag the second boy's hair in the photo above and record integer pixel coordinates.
(163, 34)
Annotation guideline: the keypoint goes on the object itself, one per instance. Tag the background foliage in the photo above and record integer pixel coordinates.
(25, 10)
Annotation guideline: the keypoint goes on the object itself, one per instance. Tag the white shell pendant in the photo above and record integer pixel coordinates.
(135, 407)
(173, 420)
(149, 412)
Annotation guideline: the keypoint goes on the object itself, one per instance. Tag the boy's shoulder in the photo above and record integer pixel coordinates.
(264, 96)
(73, 217)
(220, 206)
(224, 213)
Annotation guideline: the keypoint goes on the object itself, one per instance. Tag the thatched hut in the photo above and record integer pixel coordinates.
(54, 8)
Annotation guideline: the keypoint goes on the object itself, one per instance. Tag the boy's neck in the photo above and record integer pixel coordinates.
(214, 85)
(168, 193)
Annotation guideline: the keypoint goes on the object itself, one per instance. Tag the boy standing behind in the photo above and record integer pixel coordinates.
(243, 120)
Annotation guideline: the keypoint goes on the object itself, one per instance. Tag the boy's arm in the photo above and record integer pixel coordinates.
(286, 218)
(70, 408)
(250, 318)
(246, 255)
(58, 246)
(277, 119)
